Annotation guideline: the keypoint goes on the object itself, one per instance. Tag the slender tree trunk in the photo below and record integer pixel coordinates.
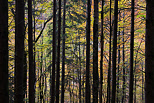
(142, 85)
(63, 55)
(118, 87)
(88, 94)
(4, 93)
(41, 72)
(123, 59)
(114, 54)
(25, 75)
(53, 54)
(95, 53)
(101, 61)
(149, 52)
(19, 50)
(131, 79)
(109, 67)
(34, 35)
(58, 54)
(79, 72)
(30, 50)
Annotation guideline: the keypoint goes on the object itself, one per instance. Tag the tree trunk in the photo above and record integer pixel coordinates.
(109, 67)
(95, 53)
(114, 54)
(19, 50)
(58, 54)
(63, 55)
(88, 94)
(4, 93)
(101, 61)
(53, 54)
(149, 53)
(131, 79)
(30, 51)
(123, 59)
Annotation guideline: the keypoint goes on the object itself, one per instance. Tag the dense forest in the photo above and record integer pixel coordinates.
(76, 51)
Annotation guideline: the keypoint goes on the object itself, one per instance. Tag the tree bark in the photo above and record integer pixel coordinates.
(149, 53)
(19, 50)
(53, 54)
(30, 50)
(131, 79)
(58, 54)
(88, 94)
(95, 53)
(4, 93)
(114, 54)
(109, 66)
(63, 54)
(102, 48)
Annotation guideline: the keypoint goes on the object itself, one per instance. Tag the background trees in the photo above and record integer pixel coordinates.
(78, 52)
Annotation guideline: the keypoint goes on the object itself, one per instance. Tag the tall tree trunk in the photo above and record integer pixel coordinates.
(95, 53)
(123, 59)
(142, 83)
(53, 54)
(149, 52)
(30, 51)
(118, 87)
(25, 76)
(19, 50)
(34, 35)
(79, 72)
(88, 94)
(63, 54)
(101, 61)
(114, 54)
(4, 93)
(131, 79)
(58, 54)
(109, 67)
(41, 72)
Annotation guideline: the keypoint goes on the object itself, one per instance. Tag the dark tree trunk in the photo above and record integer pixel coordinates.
(30, 51)
(114, 54)
(63, 55)
(142, 84)
(123, 59)
(109, 67)
(95, 53)
(88, 94)
(25, 75)
(53, 54)
(58, 54)
(149, 53)
(4, 93)
(19, 50)
(131, 79)
(101, 61)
